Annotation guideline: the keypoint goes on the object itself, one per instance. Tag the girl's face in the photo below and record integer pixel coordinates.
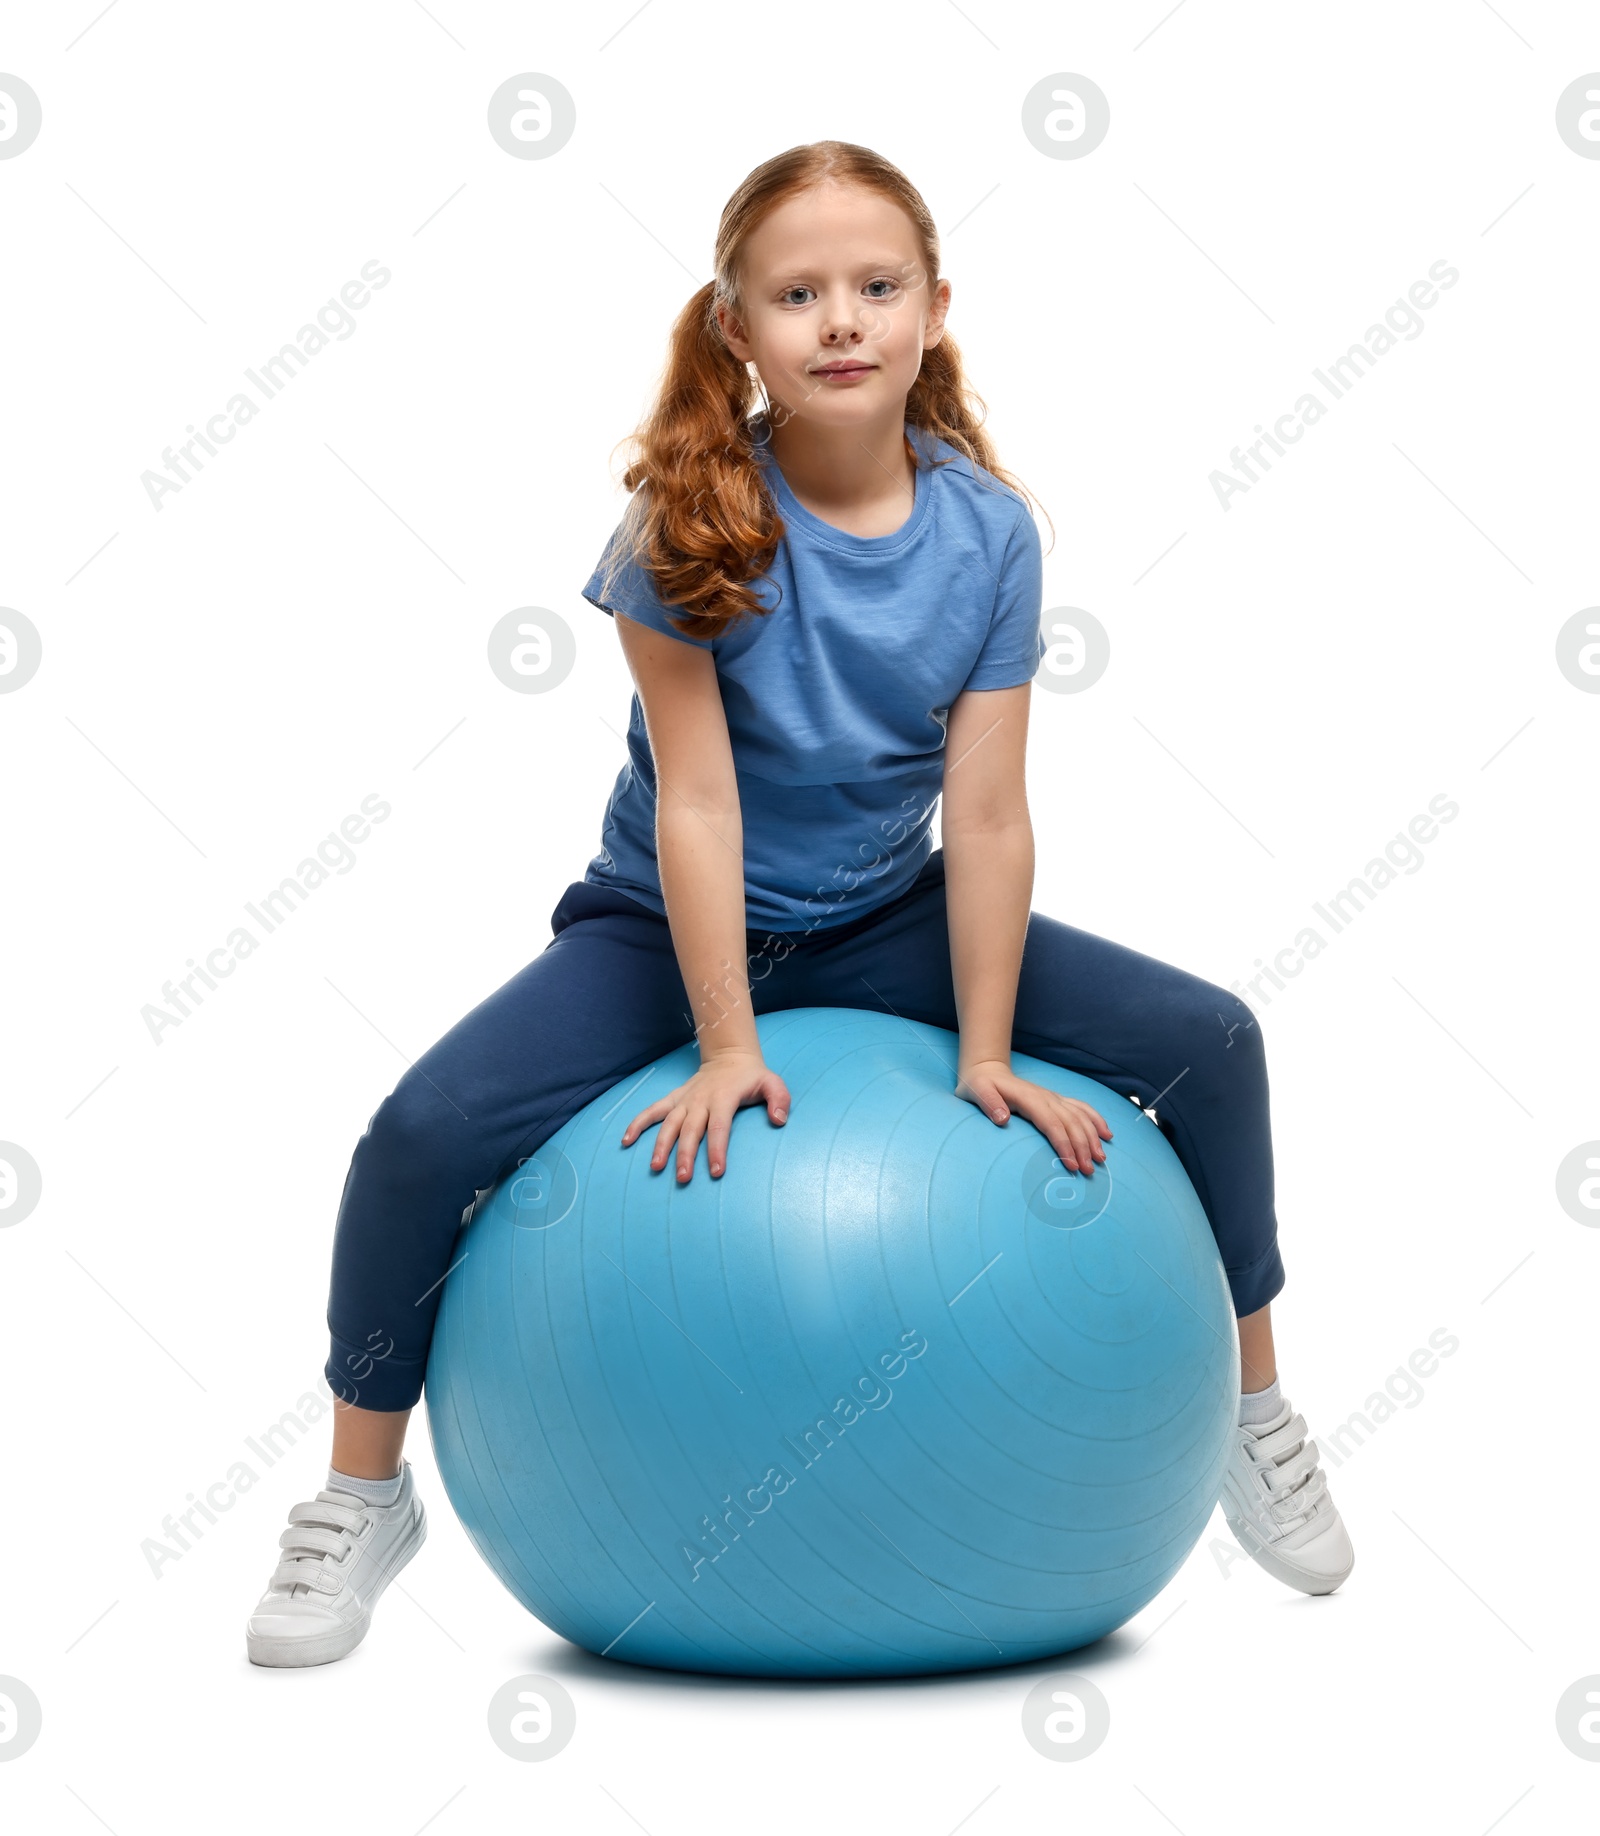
(837, 307)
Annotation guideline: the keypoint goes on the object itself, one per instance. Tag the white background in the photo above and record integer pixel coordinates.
(1291, 681)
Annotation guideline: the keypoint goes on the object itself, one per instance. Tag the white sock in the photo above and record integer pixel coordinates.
(374, 1491)
(1257, 1406)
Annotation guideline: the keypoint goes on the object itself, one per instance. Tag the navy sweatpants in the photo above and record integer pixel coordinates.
(605, 998)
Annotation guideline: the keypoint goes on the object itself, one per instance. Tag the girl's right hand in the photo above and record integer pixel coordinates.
(704, 1106)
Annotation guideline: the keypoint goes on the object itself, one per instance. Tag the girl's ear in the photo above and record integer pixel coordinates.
(733, 333)
(938, 306)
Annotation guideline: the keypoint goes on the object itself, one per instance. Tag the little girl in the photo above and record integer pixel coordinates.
(830, 608)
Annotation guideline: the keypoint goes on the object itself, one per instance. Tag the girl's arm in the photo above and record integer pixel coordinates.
(988, 853)
(700, 856)
(699, 829)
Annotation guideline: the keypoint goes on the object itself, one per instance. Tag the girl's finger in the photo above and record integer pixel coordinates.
(665, 1136)
(1085, 1143)
(689, 1141)
(717, 1142)
(1083, 1135)
(1078, 1133)
(644, 1118)
(1055, 1132)
(1087, 1109)
(989, 1099)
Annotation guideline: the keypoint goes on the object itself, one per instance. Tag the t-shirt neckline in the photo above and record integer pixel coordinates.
(795, 514)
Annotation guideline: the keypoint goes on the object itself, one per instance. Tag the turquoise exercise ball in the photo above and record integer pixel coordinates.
(895, 1395)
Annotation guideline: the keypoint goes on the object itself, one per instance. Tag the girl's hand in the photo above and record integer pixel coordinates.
(705, 1105)
(1068, 1125)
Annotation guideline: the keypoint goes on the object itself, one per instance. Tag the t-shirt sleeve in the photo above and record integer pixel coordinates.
(1014, 647)
(633, 594)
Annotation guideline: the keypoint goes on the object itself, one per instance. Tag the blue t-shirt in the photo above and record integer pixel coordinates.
(837, 700)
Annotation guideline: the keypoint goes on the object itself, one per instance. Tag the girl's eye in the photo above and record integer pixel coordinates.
(881, 282)
(792, 290)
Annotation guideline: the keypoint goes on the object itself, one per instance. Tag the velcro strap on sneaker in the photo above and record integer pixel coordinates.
(313, 1541)
(1286, 1477)
(324, 1511)
(321, 1578)
(1269, 1447)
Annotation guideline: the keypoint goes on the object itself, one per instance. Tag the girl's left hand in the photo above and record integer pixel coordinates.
(1069, 1126)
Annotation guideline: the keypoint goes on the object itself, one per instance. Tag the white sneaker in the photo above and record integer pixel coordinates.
(1276, 1500)
(339, 1554)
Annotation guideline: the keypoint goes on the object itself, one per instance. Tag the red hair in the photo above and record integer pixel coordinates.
(705, 525)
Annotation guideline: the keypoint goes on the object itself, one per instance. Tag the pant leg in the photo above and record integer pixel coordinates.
(1178, 1044)
(603, 998)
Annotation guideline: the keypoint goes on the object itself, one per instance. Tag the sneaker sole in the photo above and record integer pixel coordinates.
(327, 1647)
(1275, 1565)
